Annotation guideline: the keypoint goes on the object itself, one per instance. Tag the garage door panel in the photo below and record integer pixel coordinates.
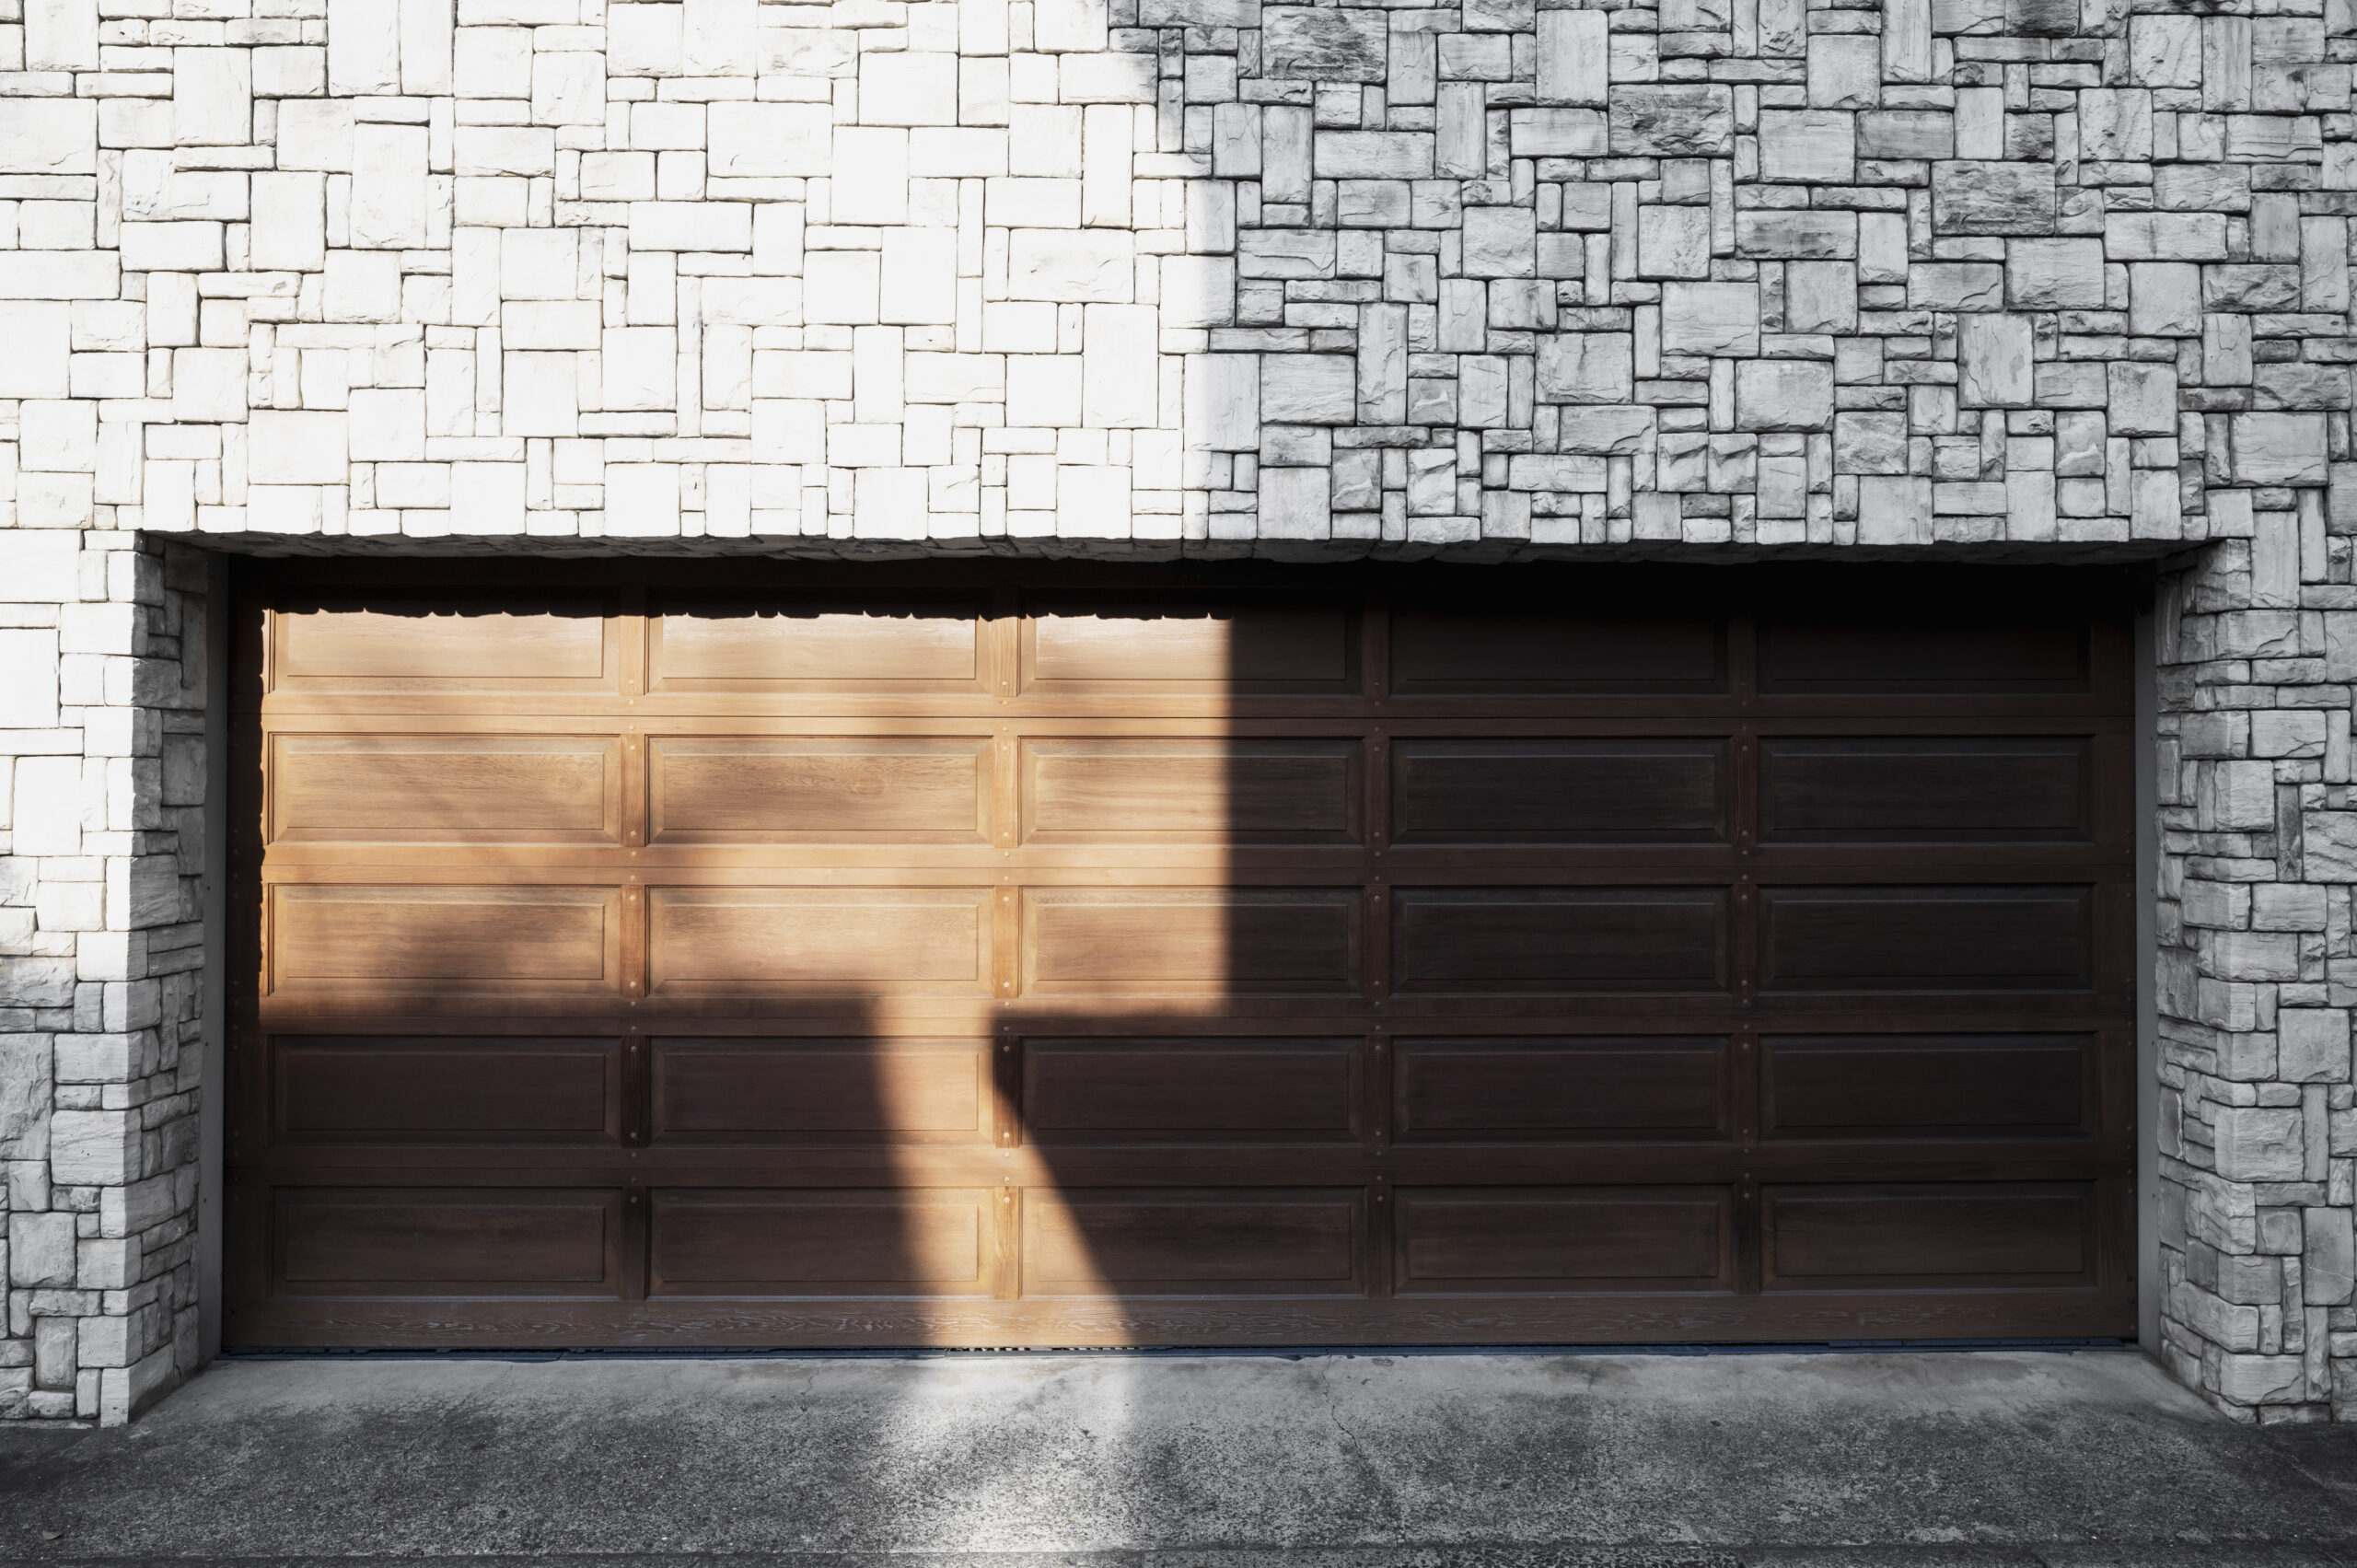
(1920, 655)
(715, 643)
(1931, 1235)
(547, 645)
(1157, 1090)
(1554, 1238)
(446, 1242)
(1930, 1087)
(1558, 792)
(1561, 939)
(2032, 789)
(1928, 938)
(359, 939)
(822, 1091)
(375, 1089)
(1175, 646)
(1189, 791)
(822, 1242)
(1238, 1241)
(519, 789)
(1007, 953)
(786, 790)
(1535, 1090)
(914, 941)
(1193, 942)
(1438, 653)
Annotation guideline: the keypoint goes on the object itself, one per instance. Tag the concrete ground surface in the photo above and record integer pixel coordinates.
(1990, 1459)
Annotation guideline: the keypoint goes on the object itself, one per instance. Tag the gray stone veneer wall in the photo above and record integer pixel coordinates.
(1960, 278)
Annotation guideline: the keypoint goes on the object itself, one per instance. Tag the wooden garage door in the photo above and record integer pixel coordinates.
(1013, 955)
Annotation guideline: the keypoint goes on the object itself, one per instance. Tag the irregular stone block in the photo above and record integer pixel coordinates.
(1915, 134)
(1994, 361)
(1586, 368)
(43, 135)
(1308, 388)
(1796, 234)
(1606, 431)
(1558, 133)
(1811, 146)
(1199, 13)
(770, 140)
(1710, 317)
(1775, 394)
(1373, 154)
(2312, 1045)
(1672, 122)
(1993, 198)
(1322, 43)
(1573, 54)
(41, 1250)
(2279, 449)
(2054, 274)
(2260, 1143)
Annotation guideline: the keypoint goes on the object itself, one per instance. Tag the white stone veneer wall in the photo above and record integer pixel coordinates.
(2001, 278)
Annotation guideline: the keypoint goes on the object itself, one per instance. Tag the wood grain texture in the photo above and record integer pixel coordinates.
(1544, 1239)
(748, 789)
(713, 642)
(815, 1091)
(433, 645)
(1159, 645)
(355, 937)
(2027, 789)
(827, 1241)
(1141, 790)
(405, 789)
(1558, 792)
(926, 940)
(1016, 953)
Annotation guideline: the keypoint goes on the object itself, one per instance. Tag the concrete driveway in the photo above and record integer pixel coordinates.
(1361, 1461)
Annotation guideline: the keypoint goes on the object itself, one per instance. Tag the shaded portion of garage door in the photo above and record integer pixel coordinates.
(1010, 954)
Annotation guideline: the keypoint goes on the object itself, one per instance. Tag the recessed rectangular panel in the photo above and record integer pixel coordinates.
(759, 789)
(1504, 1241)
(1190, 941)
(1910, 1087)
(1927, 938)
(545, 645)
(822, 1241)
(1919, 653)
(408, 1089)
(1179, 646)
(1558, 792)
(721, 644)
(1128, 790)
(1190, 1091)
(475, 789)
(917, 941)
(1435, 652)
(445, 1241)
(2027, 789)
(352, 939)
(1202, 1241)
(1570, 940)
(730, 1090)
(1930, 1236)
(1543, 1090)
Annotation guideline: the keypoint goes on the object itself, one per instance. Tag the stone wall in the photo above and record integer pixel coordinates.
(102, 642)
(2008, 278)
(2257, 968)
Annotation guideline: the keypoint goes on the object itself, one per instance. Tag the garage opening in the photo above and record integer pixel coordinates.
(1024, 954)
